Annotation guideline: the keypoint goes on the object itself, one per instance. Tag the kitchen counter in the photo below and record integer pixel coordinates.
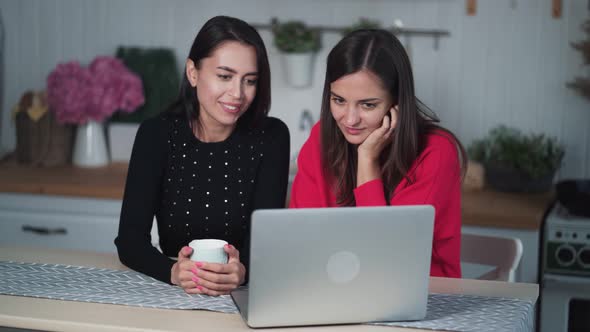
(484, 208)
(102, 182)
(488, 208)
(55, 315)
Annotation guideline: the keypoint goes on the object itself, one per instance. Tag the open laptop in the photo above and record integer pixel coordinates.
(337, 266)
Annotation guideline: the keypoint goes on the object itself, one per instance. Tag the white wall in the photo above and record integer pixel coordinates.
(505, 65)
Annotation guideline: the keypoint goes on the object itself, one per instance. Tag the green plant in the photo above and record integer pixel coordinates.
(362, 23)
(161, 79)
(295, 37)
(535, 155)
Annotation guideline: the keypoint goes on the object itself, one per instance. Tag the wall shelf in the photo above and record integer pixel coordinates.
(436, 34)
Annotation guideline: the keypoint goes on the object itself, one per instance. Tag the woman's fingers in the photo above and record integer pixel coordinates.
(215, 286)
(392, 123)
(216, 279)
(188, 284)
(233, 255)
(386, 123)
(393, 115)
(212, 279)
(185, 253)
(210, 292)
(225, 274)
(181, 264)
(193, 290)
(200, 286)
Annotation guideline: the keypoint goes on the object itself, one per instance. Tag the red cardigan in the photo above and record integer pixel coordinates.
(436, 174)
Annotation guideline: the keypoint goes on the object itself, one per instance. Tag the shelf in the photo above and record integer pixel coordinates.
(409, 32)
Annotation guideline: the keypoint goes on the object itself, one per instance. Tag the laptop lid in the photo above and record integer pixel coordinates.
(339, 265)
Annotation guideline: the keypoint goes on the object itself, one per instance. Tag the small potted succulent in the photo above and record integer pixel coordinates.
(515, 162)
(298, 45)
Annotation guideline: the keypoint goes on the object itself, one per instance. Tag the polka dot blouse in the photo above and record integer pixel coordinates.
(198, 190)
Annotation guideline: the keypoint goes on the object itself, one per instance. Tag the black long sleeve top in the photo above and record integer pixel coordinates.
(198, 190)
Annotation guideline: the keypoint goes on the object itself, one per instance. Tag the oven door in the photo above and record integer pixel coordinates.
(565, 303)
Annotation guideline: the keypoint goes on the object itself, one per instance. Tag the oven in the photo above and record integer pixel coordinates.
(565, 272)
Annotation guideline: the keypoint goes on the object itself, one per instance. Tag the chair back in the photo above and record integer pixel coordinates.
(503, 253)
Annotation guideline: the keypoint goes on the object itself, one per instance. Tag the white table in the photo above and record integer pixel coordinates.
(55, 315)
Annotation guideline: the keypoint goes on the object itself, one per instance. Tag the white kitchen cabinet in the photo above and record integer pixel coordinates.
(59, 222)
(64, 222)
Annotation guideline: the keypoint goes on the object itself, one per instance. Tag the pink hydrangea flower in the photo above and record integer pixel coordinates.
(78, 94)
(68, 92)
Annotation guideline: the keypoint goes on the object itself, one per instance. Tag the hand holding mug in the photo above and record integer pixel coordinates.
(181, 274)
(218, 278)
(207, 250)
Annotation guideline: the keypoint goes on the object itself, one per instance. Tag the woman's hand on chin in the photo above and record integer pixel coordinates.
(368, 168)
(371, 148)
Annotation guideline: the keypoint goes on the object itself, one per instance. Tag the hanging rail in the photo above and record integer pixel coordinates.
(435, 33)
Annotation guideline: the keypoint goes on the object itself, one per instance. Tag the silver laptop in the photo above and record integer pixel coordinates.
(337, 266)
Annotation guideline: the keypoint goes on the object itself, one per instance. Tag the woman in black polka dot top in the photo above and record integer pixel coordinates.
(206, 163)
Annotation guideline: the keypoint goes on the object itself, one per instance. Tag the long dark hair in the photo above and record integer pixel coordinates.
(216, 31)
(381, 53)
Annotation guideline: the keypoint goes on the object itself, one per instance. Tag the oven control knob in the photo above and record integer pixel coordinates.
(565, 255)
(584, 257)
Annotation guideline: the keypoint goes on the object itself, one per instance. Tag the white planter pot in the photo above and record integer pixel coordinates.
(298, 68)
(90, 147)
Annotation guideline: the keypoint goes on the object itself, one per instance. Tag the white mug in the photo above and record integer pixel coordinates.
(208, 250)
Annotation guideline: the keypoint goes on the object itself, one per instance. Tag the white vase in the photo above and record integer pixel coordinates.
(298, 68)
(90, 147)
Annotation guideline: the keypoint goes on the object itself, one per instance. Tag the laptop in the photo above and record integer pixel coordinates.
(337, 266)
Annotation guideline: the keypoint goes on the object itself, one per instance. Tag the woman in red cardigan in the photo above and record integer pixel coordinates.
(377, 144)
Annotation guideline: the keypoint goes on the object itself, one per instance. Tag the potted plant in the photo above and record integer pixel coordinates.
(362, 23)
(86, 97)
(298, 45)
(516, 162)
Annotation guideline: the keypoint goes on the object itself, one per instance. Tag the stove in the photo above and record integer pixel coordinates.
(565, 272)
(567, 243)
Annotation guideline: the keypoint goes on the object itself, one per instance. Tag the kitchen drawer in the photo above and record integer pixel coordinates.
(74, 231)
(59, 222)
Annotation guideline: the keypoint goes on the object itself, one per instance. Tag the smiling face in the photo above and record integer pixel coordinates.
(226, 85)
(358, 103)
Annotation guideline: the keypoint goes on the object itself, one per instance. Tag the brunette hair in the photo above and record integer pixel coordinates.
(216, 31)
(381, 53)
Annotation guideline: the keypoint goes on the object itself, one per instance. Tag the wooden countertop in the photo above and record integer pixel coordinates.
(484, 208)
(488, 208)
(55, 315)
(103, 182)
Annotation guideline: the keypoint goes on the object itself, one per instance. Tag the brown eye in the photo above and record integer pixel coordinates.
(368, 106)
(251, 82)
(338, 101)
